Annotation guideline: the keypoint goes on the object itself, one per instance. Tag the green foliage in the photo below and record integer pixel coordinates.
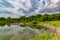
(31, 19)
(53, 23)
(34, 22)
(8, 21)
(44, 36)
(42, 18)
(56, 37)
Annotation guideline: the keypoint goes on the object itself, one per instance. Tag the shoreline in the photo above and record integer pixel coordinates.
(52, 28)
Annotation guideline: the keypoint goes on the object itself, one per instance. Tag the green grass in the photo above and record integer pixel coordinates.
(56, 37)
(52, 23)
(44, 36)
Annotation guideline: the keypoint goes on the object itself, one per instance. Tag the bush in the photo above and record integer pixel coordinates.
(34, 22)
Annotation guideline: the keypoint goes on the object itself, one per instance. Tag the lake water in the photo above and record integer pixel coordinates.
(17, 32)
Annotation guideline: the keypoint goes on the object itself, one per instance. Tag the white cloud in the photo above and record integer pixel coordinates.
(17, 4)
(53, 3)
(8, 15)
(21, 6)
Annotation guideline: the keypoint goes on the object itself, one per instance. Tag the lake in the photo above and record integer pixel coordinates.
(17, 32)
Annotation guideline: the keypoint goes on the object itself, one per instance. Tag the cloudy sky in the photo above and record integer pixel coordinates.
(17, 8)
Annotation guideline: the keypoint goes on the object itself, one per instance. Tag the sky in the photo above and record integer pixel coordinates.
(17, 8)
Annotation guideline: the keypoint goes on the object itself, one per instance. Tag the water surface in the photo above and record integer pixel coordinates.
(17, 32)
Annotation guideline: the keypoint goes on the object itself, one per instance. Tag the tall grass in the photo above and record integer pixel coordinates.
(52, 23)
(44, 36)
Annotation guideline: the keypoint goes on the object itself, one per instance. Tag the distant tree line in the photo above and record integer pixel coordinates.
(35, 18)
(41, 18)
(8, 21)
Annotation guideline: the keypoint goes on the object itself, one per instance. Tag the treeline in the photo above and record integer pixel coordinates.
(8, 21)
(33, 19)
(41, 18)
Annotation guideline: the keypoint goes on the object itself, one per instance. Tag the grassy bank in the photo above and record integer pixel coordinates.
(55, 24)
(52, 23)
(45, 36)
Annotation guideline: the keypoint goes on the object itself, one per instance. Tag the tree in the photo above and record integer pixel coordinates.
(22, 19)
(2, 18)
